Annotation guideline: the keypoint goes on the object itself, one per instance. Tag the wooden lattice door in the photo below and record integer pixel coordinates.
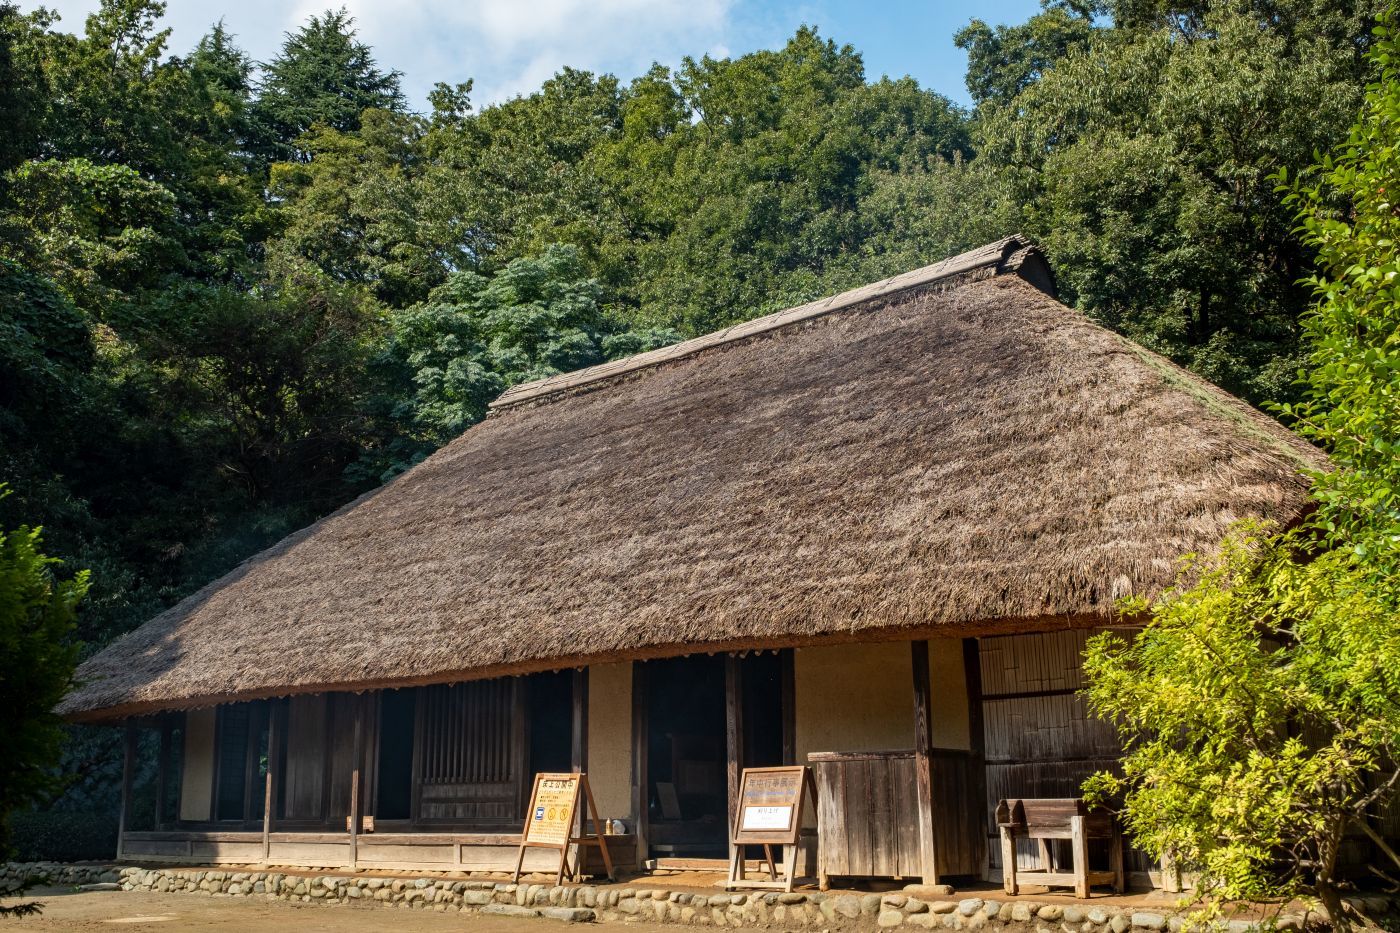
(471, 757)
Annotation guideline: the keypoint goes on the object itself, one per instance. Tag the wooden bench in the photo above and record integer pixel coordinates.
(1045, 819)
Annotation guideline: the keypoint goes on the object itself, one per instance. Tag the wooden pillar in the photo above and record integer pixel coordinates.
(162, 771)
(274, 768)
(787, 660)
(923, 764)
(733, 734)
(357, 765)
(578, 752)
(128, 773)
(977, 741)
(639, 759)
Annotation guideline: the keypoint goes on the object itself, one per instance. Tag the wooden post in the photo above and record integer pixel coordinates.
(923, 765)
(270, 783)
(734, 739)
(1079, 845)
(128, 770)
(977, 740)
(356, 764)
(788, 665)
(1115, 855)
(162, 771)
(639, 760)
(578, 756)
(1008, 862)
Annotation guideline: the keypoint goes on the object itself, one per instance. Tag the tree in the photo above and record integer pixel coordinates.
(322, 75)
(37, 659)
(371, 209)
(23, 90)
(1260, 706)
(1006, 60)
(475, 337)
(751, 178)
(1143, 157)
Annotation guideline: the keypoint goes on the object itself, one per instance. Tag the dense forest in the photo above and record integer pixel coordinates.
(233, 294)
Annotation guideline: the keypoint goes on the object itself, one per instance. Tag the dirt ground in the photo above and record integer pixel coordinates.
(143, 912)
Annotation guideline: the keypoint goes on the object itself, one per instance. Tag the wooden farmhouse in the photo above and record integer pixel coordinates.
(870, 533)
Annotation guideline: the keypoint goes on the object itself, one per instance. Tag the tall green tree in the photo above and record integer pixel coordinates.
(1261, 704)
(37, 659)
(1142, 155)
(24, 92)
(324, 75)
(475, 337)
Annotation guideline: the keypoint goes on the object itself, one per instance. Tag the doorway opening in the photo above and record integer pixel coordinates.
(687, 805)
(687, 752)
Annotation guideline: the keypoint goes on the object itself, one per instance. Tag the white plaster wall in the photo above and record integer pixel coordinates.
(948, 693)
(860, 697)
(197, 779)
(610, 738)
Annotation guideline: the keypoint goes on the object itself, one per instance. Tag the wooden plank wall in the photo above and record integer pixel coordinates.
(956, 824)
(304, 774)
(472, 766)
(868, 814)
(1040, 739)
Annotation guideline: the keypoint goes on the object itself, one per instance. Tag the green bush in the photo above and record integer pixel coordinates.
(50, 836)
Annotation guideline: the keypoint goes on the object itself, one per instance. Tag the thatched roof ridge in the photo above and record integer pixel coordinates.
(963, 456)
(1010, 254)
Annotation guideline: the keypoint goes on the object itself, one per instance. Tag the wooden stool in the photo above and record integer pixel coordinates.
(1058, 818)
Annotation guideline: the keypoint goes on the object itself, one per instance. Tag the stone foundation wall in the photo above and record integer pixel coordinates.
(917, 908)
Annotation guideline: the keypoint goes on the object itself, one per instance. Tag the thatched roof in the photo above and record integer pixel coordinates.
(951, 451)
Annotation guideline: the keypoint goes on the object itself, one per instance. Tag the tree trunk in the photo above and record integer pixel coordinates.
(1328, 850)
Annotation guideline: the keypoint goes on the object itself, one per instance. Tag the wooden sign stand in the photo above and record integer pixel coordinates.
(769, 812)
(550, 822)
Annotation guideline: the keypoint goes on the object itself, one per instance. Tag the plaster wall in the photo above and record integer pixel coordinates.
(610, 738)
(197, 781)
(860, 697)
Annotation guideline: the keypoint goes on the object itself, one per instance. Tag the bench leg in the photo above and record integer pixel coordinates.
(1047, 855)
(1008, 861)
(1079, 843)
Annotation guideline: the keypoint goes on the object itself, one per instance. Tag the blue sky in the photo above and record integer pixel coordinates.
(510, 46)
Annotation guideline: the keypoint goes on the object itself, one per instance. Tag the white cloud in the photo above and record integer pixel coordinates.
(507, 47)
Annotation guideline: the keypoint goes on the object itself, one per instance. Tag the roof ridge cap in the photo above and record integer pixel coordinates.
(994, 254)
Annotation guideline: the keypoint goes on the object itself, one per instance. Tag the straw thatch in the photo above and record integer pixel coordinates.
(955, 453)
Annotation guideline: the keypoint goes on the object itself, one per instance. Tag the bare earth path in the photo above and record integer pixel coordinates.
(143, 912)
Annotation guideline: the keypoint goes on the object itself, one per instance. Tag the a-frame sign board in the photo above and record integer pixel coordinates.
(770, 808)
(550, 822)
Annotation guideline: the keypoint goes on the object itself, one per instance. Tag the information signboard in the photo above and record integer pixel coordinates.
(770, 806)
(550, 821)
(770, 802)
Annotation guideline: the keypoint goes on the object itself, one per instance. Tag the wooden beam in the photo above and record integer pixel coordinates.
(355, 766)
(977, 742)
(923, 765)
(520, 741)
(274, 766)
(128, 771)
(639, 759)
(415, 796)
(733, 734)
(162, 771)
(578, 750)
(787, 658)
